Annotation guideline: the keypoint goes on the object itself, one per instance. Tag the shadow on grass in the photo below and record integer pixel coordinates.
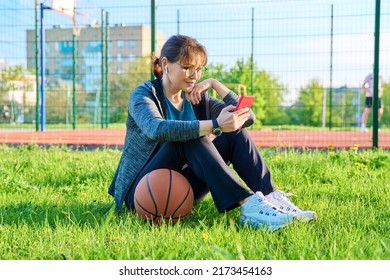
(26, 213)
(94, 215)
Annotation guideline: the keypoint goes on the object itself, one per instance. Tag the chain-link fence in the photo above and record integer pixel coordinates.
(305, 61)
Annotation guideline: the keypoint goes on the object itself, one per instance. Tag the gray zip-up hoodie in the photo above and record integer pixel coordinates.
(146, 126)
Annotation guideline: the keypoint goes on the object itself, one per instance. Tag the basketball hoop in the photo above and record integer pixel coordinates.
(68, 8)
(65, 7)
(78, 22)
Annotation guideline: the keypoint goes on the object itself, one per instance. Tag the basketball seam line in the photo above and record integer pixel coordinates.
(147, 211)
(169, 192)
(151, 195)
(185, 198)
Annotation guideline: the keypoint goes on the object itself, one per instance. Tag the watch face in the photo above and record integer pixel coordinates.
(217, 131)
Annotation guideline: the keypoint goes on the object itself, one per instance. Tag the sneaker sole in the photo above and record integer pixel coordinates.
(306, 218)
(256, 224)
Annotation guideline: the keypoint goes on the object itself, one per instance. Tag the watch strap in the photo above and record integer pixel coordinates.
(215, 123)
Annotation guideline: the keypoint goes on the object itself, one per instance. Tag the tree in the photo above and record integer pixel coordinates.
(122, 84)
(59, 104)
(14, 86)
(308, 109)
(8, 77)
(267, 90)
(347, 109)
(385, 121)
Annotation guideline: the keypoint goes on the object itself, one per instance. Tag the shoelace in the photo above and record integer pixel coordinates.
(268, 207)
(286, 194)
(283, 197)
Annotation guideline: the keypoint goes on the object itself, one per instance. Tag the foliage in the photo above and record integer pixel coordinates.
(8, 76)
(122, 84)
(14, 78)
(59, 104)
(385, 121)
(269, 92)
(267, 89)
(308, 109)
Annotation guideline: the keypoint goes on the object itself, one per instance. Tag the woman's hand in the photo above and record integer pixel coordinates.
(195, 95)
(229, 120)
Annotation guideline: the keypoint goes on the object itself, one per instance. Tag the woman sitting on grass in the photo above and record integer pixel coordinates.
(169, 120)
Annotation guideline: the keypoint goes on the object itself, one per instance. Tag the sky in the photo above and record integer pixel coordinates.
(291, 38)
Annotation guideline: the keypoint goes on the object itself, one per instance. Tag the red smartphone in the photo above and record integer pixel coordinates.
(245, 101)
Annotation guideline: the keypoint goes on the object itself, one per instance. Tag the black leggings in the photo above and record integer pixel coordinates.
(205, 164)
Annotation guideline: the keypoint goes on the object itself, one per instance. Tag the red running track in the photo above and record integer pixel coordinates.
(262, 138)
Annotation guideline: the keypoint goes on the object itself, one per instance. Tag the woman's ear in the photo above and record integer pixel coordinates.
(164, 63)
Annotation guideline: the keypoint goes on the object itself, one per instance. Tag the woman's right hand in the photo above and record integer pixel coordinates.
(230, 120)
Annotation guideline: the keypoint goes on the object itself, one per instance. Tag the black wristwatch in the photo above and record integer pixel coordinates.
(216, 129)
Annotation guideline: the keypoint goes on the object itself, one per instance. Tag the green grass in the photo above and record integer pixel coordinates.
(54, 205)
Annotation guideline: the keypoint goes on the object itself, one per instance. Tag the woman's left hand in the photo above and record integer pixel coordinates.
(195, 95)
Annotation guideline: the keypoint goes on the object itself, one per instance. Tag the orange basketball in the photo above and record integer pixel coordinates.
(163, 195)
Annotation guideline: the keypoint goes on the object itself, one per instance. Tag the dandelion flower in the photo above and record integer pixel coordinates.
(66, 214)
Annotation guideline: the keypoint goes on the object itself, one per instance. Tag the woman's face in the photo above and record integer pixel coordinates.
(184, 76)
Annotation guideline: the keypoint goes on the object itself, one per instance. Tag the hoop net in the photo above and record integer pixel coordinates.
(80, 16)
(86, 14)
(79, 21)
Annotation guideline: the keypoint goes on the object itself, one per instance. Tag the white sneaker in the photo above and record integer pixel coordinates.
(258, 212)
(363, 129)
(280, 200)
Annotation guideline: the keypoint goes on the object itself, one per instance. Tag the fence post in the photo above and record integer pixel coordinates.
(331, 69)
(74, 54)
(252, 58)
(153, 30)
(42, 61)
(103, 67)
(376, 75)
(107, 101)
(37, 49)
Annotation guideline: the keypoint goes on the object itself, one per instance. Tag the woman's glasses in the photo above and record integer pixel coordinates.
(190, 70)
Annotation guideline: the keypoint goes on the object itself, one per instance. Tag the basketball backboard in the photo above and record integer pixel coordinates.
(65, 7)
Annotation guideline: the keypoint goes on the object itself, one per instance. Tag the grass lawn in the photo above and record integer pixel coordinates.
(54, 205)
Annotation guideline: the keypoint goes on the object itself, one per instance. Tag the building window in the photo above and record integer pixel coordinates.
(94, 46)
(131, 43)
(120, 43)
(119, 57)
(66, 46)
(67, 62)
(131, 57)
(57, 46)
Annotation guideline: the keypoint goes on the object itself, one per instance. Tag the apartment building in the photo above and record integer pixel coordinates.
(125, 45)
